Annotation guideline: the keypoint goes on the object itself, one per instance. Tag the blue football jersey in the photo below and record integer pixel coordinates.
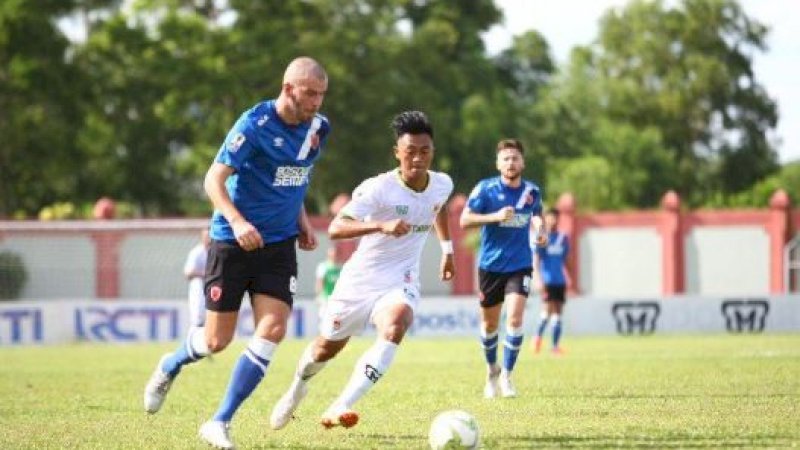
(552, 258)
(273, 163)
(505, 246)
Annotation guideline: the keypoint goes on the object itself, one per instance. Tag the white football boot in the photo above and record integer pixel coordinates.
(492, 375)
(283, 411)
(157, 387)
(506, 386)
(217, 434)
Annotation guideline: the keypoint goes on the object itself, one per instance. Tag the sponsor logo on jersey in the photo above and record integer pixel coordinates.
(401, 210)
(520, 220)
(236, 143)
(277, 142)
(291, 176)
(420, 228)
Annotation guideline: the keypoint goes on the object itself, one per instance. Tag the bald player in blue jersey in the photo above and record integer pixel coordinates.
(257, 184)
(506, 208)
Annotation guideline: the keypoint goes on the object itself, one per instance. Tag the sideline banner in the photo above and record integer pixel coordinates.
(130, 321)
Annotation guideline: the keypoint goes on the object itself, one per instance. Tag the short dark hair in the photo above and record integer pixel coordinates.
(553, 211)
(411, 122)
(510, 143)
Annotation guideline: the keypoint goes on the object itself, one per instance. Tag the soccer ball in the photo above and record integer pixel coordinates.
(454, 429)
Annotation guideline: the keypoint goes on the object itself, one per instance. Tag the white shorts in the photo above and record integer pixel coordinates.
(197, 302)
(349, 317)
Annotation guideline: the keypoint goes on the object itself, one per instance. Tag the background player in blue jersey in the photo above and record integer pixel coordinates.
(257, 184)
(551, 276)
(506, 207)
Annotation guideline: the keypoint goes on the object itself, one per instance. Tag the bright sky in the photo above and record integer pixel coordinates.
(566, 23)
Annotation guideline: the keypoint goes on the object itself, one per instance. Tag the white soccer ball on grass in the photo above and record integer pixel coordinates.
(454, 429)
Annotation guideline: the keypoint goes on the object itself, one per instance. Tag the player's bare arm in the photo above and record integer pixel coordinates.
(470, 219)
(447, 267)
(345, 227)
(246, 234)
(306, 240)
(537, 226)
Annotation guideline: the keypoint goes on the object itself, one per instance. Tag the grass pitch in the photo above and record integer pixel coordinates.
(612, 392)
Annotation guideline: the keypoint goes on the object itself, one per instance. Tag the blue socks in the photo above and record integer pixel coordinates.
(489, 344)
(511, 346)
(556, 330)
(248, 372)
(193, 349)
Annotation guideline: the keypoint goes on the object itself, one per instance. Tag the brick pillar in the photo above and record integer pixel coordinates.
(106, 249)
(464, 258)
(672, 271)
(568, 224)
(778, 230)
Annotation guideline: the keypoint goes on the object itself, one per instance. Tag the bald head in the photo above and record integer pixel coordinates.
(304, 68)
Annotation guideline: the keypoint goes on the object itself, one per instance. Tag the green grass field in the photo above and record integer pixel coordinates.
(612, 392)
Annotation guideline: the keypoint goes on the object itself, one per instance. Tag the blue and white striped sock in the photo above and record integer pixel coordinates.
(511, 346)
(248, 372)
(489, 344)
(193, 349)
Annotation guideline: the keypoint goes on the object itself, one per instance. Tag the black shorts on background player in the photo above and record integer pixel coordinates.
(555, 293)
(495, 285)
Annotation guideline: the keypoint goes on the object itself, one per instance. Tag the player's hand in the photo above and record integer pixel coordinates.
(505, 213)
(396, 227)
(542, 239)
(448, 268)
(307, 240)
(247, 235)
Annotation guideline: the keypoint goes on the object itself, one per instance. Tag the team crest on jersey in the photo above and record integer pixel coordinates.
(529, 199)
(262, 120)
(501, 196)
(236, 143)
(277, 142)
(401, 210)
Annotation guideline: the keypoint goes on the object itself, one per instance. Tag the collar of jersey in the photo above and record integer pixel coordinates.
(406, 186)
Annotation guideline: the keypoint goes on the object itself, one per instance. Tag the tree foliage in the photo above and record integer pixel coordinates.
(664, 99)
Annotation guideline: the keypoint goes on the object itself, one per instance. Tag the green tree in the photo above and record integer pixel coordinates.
(687, 71)
(40, 95)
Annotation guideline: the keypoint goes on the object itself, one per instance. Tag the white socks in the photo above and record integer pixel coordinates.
(307, 367)
(368, 370)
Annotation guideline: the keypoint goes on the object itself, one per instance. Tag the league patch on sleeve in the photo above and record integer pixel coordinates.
(236, 142)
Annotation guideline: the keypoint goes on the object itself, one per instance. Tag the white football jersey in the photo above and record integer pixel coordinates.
(382, 261)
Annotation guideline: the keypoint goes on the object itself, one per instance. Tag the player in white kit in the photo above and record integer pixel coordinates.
(393, 214)
(195, 271)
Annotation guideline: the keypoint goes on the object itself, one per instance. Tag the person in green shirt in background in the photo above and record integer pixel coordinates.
(327, 275)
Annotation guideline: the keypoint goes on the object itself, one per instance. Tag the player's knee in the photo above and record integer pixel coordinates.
(394, 332)
(514, 322)
(217, 344)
